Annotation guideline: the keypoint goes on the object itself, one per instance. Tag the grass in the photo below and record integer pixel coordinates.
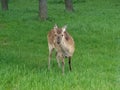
(24, 52)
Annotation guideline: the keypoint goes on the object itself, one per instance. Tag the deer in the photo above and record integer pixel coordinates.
(62, 42)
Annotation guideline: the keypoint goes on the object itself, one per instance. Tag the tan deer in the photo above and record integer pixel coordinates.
(63, 43)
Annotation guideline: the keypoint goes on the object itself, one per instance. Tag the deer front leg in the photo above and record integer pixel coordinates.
(50, 55)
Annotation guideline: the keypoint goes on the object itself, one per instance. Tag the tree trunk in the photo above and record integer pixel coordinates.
(68, 5)
(43, 9)
(4, 4)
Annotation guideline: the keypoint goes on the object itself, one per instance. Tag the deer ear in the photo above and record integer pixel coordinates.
(55, 26)
(64, 28)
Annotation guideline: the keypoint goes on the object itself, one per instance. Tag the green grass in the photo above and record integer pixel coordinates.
(95, 27)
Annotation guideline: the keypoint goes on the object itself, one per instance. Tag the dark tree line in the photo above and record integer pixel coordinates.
(4, 4)
(68, 5)
(42, 7)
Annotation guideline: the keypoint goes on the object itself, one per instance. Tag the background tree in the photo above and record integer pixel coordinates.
(43, 9)
(4, 4)
(68, 5)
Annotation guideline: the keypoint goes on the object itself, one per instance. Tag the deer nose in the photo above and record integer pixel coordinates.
(58, 40)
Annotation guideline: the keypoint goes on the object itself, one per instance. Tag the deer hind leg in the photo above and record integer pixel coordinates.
(63, 64)
(70, 63)
(50, 55)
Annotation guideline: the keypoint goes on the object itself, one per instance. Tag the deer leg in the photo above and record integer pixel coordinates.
(50, 55)
(70, 64)
(58, 60)
(63, 63)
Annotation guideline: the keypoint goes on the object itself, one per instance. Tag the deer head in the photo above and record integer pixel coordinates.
(59, 33)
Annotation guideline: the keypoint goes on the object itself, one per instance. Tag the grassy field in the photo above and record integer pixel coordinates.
(95, 27)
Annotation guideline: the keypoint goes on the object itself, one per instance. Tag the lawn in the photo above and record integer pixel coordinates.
(95, 27)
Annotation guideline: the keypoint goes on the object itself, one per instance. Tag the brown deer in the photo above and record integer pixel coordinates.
(63, 43)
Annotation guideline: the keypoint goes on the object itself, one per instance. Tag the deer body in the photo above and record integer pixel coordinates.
(63, 43)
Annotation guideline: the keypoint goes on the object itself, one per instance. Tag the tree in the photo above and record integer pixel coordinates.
(4, 4)
(68, 5)
(43, 9)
